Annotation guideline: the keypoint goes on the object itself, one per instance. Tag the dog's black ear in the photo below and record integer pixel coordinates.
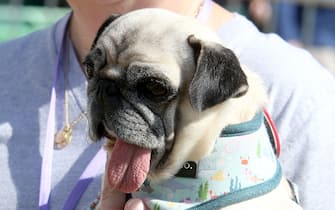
(218, 75)
(103, 27)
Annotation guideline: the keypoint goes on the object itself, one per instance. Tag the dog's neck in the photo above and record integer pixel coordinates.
(242, 165)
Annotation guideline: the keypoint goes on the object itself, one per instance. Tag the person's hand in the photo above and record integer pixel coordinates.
(114, 200)
(135, 204)
(111, 199)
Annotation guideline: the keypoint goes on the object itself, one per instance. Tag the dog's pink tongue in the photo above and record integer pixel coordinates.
(128, 166)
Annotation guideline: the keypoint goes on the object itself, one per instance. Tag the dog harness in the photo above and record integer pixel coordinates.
(242, 165)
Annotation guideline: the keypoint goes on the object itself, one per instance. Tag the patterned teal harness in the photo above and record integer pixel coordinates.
(242, 166)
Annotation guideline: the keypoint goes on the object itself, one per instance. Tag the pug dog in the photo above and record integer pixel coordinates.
(161, 88)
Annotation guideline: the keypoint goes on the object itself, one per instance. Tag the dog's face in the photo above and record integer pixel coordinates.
(157, 80)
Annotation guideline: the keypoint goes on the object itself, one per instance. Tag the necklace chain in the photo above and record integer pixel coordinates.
(64, 136)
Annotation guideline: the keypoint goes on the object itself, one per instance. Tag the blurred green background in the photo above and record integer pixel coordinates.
(18, 18)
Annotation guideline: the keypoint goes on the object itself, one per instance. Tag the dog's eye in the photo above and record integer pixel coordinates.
(89, 67)
(154, 89)
(95, 60)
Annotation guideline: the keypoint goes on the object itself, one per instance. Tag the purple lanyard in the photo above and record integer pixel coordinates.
(91, 169)
(98, 160)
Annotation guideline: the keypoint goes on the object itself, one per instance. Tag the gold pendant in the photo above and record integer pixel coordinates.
(63, 137)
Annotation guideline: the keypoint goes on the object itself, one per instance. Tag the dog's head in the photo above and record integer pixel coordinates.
(159, 83)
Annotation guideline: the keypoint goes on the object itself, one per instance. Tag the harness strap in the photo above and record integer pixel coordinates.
(243, 194)
(272, 131)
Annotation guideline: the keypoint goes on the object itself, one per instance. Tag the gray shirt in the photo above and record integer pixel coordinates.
(302, 101)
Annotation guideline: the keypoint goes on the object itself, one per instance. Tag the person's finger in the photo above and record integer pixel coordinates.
(135, 204)
(111, 200)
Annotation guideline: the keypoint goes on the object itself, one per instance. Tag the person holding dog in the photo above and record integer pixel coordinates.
(43, 92)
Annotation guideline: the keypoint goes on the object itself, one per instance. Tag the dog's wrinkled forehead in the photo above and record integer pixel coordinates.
(146, 25)
(148, 37)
